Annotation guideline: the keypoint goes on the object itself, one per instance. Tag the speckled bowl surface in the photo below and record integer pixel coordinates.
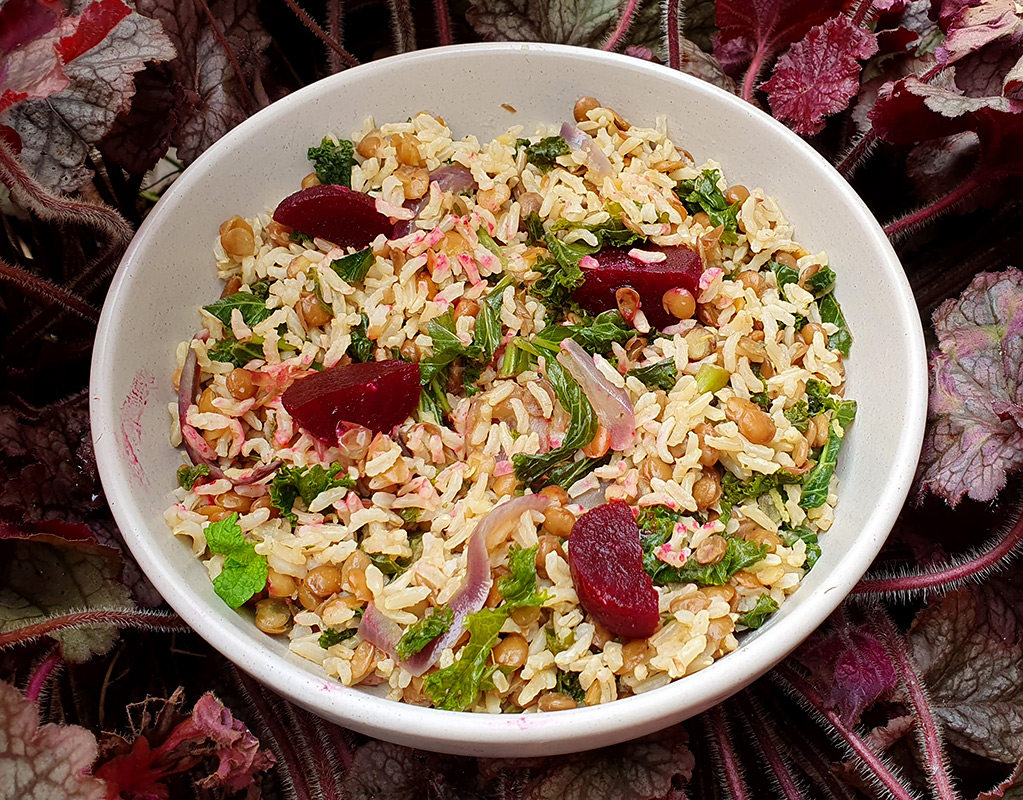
(168, 272)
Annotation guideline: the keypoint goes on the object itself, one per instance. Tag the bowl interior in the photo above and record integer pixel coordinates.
(168, 272)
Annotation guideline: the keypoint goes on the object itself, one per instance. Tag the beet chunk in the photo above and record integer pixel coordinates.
(334, 213)
(618, 269)
(378, 395)
(606, 562)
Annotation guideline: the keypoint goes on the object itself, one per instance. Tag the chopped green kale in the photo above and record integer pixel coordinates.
(331, 637)
(544, 154)
(456, 687)
(362, 347)
(735, 490)
(739, 555)
(784, 274)
(564, 475)
(817, 481)
(410, 516)
(391, 566)
(238, 353)
(421, 633)
(821, 282)
(662, 375)
(244, 571)
(518, 589)
(354, 268)
(841, 340)
(533, 226)
(187, 476)
(333, 162)
(291, 483)
(252, 308)
(568, 684)
(755, 617)
(789, 536)
(702, 194)
(798, 415)
(560, 274)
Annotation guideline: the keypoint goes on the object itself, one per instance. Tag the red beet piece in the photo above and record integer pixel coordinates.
(606, 562)
(618, 269)
(334, 213)
(377, 395)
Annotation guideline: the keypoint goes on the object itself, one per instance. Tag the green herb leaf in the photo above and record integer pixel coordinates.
(252, 308)
(597, 334)
(353, 268)
(831, 312)
(564, 475)
(798, 415)
(612, 233)
(333, 162)
(456, 687)
(488, 242)
(815, 486)
(390, 566)
(244, 571)
(739, 555)
(813, 549)
(702, 194)
(331, 637)
(556, 645)
(755, 617)
(362, 347)
(238, 353)
(187, 476)
(410, 516)
(568, 684)
(662, 375)
(582, 427)
(534, 228)
(735, 490)
(519, 587)
(785, 276)
(821, 282)
(543, 154)
(291, 483)
(433, 401)
(421, 633)
(560, 274)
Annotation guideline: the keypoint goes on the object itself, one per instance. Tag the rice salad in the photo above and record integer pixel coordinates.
(448, 432)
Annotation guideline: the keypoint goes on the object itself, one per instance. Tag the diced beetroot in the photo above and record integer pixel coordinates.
(377, 395)
(617, 269)
(335, 213)
(606, 561)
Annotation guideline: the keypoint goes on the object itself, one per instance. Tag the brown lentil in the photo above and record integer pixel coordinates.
(558, 521)
(512, 651)
(736, 194)
(310, 180)
(711, 550)
(555, 701)
(240, 385)
(707, 489)
(680, 303)
(583, 106)
(272, 616)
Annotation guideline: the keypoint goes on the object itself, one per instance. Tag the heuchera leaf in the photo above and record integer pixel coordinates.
(168, 741)
(969, 647)
(849, 667)
(819, 75)
(49, 762)
(96, 56)
(975, 418)
(751, 32)
(985, 39)
(639, 770)
(381, 769)
(578, 22)
(52, 573)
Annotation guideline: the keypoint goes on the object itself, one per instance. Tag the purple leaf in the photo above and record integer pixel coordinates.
(50, 762)
(975, 419)
(969, 647)
(57, 132)
(819, 75)
(381, 769)
(985, 39)
(1002, 790)
(849, 667)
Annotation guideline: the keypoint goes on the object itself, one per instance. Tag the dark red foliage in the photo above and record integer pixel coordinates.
(617, 269)
(377, 395)
(606, 562)
(334, 213)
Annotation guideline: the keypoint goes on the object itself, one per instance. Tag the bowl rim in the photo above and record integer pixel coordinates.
(526, 734)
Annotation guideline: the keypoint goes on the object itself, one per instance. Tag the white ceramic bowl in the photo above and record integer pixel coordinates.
(168, 272)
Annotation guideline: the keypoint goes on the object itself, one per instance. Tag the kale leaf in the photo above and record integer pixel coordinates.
(815, 485)
(662, 375)
(544, 154)
(333, 162)
(789, 536)
(331, 637)
(421, 633)
(518, 588)
(362, 347)
(702, 194)
(354, 268)
(291, 483)
(187, 476)
(560, 275)
(238, 353)
(756, 616)
(253, 309)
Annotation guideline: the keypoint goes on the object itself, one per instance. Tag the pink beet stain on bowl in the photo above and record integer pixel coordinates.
(131, 422)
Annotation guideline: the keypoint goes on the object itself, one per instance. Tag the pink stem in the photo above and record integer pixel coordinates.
(920, 216)
(310, 23)
(42, 674)
(334, 29)
(440, 9)
(751, 74)
(150, 620)
(673, 23)
(623, 26)
(934, 751)
(803, 691)
(767, 747)
(250, 102)
(861, 12)
(949, 576)
(48, 292)
(854, 156)
(729, 761)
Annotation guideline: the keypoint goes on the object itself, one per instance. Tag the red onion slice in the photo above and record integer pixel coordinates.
(577, 140)
(475, 589)
(611, 404)
(380, 630)
(449, 178)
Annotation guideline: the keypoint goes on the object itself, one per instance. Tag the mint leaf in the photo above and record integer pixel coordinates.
(244, 571)
(662, 375)
(187, 476)
(333, 162)
(819, 75)
(292, 483)
(974, 435)
(421, 633)
(355, 267)
(252, 308)
(756, 616)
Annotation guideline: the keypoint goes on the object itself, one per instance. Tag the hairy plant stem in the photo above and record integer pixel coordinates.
(947, 577)
(860, 15)
(404, 25)
(250, 102)
(440, 10)
(41, 675)
(732, 772)
(310, 23)
(334, 29)
(673, 32)
(806, 694)
(756, 64)
(48, 292)
(766, 745)
(917, 218)
(147, 620)
(859, 151)
(622, 29)
(932, 744)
